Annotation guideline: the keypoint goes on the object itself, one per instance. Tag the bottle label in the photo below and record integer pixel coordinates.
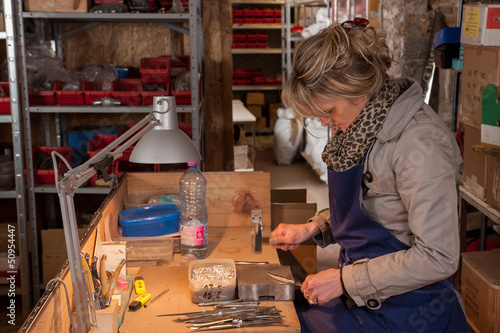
(192, 236)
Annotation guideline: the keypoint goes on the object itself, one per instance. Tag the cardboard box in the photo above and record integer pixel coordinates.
(480, 25)
(307, 257)
(273, 113)
(2, 22)
(490, 116)
(54, 242)
(493, 181)
(254, 98)
(291, 206)
(373, 13)
(261, 123)
(51, 263)
(64, 6)
(480, 289)
(481, 67)
(256, 110)
(474, 167)
(481, 172)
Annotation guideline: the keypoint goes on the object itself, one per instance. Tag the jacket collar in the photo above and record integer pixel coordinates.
(403, 110)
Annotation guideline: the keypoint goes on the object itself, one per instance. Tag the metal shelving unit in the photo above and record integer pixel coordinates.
(173, 21)
(288, 39)
(256, 51)
(19, 194)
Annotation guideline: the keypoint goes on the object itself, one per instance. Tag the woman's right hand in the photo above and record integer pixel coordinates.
(289, 236)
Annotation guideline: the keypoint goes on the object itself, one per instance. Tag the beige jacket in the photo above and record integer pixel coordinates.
(414, 164)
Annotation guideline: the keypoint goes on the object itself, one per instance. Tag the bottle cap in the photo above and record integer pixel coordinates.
(192, 163)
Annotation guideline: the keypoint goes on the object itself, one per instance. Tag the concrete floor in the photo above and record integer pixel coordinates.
(300, 175)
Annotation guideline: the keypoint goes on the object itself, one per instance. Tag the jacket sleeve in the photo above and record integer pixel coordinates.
(322, 219)
(425, 163)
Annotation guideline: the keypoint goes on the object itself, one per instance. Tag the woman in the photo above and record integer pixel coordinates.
(392, 168)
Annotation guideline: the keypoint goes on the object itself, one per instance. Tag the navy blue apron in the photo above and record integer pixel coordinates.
(433, 308)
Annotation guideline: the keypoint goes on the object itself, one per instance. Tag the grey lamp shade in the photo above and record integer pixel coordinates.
(161, 146)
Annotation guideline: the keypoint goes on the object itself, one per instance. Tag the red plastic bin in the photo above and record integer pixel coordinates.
(68, 97)
(240, 37)
(259, 80)
(42, 97)
(47, 175)
(178, 63)
(127, 91)
(155, 69)
(150, 90)
(5, 101)
(261, 36)
(247, 12)
(268, 13)
(91, 93)
(238, 12)
(258, 13)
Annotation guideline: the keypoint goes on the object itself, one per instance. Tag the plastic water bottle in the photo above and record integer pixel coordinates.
(194, 222)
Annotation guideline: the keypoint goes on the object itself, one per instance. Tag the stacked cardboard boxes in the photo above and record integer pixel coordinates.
(480, 289)
(255, 103)
(481, 67)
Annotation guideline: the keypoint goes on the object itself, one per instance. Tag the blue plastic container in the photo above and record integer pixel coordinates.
(150, 221)
(79, 136)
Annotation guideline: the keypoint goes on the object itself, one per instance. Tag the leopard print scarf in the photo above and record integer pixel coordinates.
(347, 149)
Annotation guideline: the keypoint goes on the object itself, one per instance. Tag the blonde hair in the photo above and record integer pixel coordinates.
(336, 63)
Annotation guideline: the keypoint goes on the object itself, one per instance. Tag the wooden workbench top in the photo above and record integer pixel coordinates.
(224, 243)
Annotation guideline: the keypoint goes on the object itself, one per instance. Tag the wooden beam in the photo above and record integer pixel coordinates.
(219, 141)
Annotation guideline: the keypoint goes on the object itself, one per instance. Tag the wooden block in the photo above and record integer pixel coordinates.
(107, 319)
(231, 196)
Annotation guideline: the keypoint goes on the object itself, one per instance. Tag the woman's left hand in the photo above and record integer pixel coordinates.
(322, 287)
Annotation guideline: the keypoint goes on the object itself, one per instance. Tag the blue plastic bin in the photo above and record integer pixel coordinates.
(150, 221)
(79, 136)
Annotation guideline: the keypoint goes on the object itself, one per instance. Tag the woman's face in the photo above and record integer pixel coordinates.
(341, 112)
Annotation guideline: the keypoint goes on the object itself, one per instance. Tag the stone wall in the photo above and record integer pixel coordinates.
(410, 26)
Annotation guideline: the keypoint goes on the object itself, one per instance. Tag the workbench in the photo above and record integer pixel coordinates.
(230, 198)
(224, 243)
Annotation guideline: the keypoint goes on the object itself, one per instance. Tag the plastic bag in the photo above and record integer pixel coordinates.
(316, 140)
(45, 67)
(176, 7)
(182, 82)
(287, 137)
(110, 8)
(322, 21)
(100, 76)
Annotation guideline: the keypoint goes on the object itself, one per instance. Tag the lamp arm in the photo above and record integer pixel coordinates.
(66, 188)
(76, 177)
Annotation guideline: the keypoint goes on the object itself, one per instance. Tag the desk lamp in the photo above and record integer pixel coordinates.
(161, 141)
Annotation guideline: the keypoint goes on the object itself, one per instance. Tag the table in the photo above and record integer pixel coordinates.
(242, 116)
(228, 243)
